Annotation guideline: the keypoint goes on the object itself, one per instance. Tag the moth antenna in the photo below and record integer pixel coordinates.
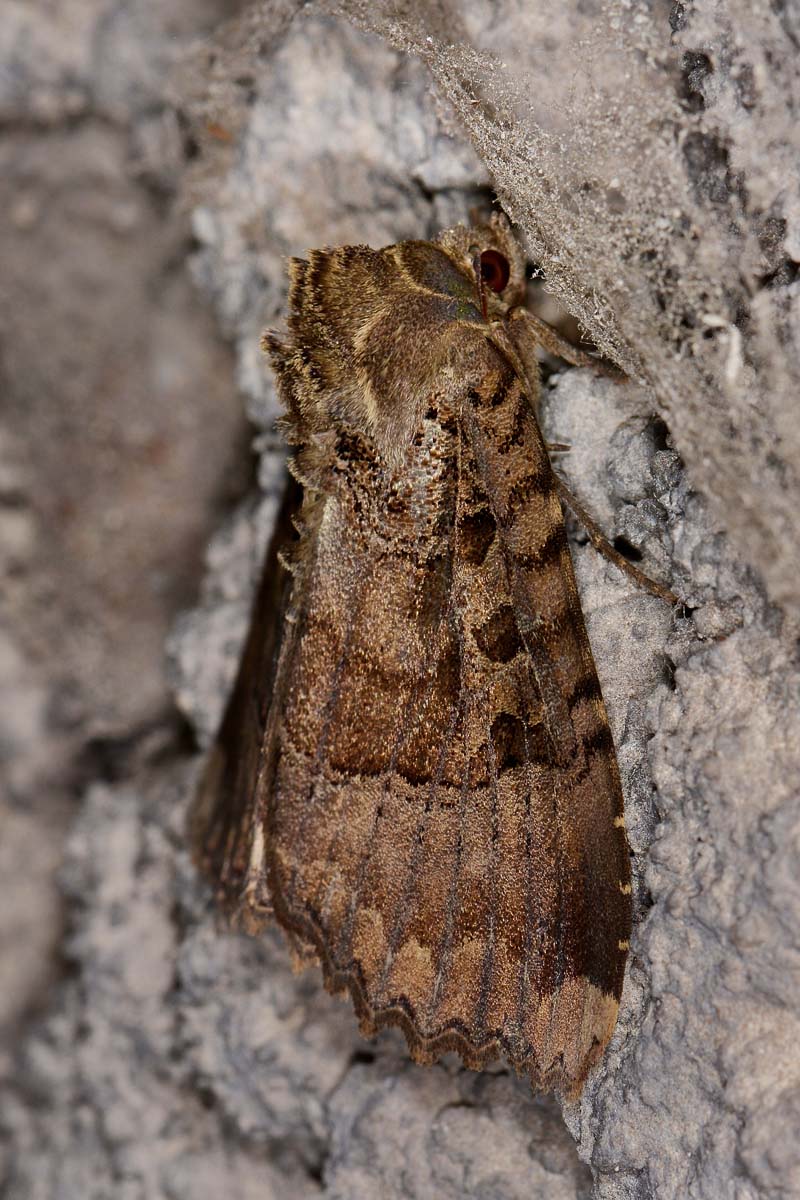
(476, 266)
(604, 547)
(540, 333)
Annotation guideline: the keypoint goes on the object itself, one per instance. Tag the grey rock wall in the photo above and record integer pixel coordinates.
(121, 436)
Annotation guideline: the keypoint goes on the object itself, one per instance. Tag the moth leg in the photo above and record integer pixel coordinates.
(558, 447)
(542, 333)
(601, 543)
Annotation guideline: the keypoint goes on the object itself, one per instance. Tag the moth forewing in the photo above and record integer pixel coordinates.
(435, 810)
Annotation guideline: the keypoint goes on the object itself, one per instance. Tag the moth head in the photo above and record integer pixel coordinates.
(372, 332)
(491, 257)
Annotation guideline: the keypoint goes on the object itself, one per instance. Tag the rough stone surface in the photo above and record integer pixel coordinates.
(175, 1059)
(121, 434)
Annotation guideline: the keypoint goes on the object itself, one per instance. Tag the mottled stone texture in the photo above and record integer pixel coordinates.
(173, 1059)
(121, 436)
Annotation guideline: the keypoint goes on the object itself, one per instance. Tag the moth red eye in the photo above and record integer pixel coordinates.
(495, 270)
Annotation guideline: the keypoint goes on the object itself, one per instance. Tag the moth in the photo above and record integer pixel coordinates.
(415, 775)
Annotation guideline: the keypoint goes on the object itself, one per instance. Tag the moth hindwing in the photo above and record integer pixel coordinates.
(420, 783)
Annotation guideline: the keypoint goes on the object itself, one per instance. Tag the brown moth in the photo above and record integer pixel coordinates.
(415, 775)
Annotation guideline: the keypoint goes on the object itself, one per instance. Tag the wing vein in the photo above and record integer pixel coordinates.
(487, 969)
